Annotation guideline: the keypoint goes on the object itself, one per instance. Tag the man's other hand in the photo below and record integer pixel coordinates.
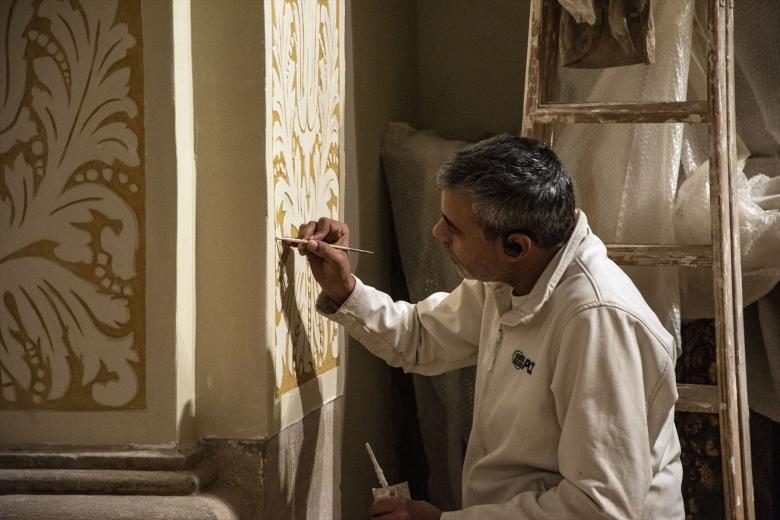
(404, 509)
(329, 266)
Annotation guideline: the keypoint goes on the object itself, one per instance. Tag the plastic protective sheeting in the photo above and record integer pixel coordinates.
(625, 176)
(759, 227)
(445, 402)
(757, 76)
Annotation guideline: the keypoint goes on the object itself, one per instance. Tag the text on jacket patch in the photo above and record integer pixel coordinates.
(521, 362)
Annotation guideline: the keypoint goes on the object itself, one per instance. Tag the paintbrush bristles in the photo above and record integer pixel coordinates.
(304, 241)
(380, 475)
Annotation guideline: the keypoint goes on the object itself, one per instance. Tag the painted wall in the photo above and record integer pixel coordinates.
(234, 362)
(97, 298)
(304, 44)
(256, 301)
(73, 285)
(472, 65)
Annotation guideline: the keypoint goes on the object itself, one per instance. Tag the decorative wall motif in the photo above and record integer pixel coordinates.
(71, 205)
(305, 88)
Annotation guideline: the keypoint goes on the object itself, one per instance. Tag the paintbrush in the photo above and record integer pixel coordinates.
(380, 475)
(304, 241)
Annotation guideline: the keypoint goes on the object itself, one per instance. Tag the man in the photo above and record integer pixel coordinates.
(575, 388)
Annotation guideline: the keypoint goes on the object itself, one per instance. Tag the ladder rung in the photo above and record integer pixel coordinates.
(678, 255)
(697, 398)
(672, 112)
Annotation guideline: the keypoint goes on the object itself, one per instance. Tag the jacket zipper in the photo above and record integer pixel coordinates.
(496, 348)
(490, 361)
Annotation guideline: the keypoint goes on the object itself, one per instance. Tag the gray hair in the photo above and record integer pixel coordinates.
(517, 185)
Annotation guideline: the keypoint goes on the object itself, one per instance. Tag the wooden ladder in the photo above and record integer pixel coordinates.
(728, 398)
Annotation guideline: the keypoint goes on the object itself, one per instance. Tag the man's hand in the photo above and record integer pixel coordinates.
(404, 509)
(330, 266)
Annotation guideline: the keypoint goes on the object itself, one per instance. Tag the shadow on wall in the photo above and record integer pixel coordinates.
(290, 456)
(187, 428)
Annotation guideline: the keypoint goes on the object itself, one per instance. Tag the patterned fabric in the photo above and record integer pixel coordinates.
(699, 433)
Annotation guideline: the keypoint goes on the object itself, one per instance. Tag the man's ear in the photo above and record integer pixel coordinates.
(516, 245)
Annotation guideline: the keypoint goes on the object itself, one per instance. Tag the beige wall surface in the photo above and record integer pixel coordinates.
(233, 361)
(155, 421)
(472, 65)
(381, 87)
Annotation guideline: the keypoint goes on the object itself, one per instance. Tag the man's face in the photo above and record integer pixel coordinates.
(474, 255)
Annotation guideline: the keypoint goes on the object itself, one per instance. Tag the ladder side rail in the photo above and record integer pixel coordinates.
(541, 66)
(532, 65)
(736, 258)
(723, 275)
(549, 86)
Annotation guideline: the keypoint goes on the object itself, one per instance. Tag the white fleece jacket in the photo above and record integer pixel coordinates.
(575, 387)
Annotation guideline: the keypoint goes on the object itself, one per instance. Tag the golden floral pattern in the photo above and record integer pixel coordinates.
(71, 205)
(305, 86)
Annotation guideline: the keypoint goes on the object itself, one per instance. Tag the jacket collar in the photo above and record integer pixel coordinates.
(515, 310)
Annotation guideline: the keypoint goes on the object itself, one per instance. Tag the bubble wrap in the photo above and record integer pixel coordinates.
(759, 226)
(445, 402)
(625, 176)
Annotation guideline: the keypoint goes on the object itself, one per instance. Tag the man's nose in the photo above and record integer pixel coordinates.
(438, 230)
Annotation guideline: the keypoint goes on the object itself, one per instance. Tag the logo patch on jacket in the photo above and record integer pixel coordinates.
(520, 362)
